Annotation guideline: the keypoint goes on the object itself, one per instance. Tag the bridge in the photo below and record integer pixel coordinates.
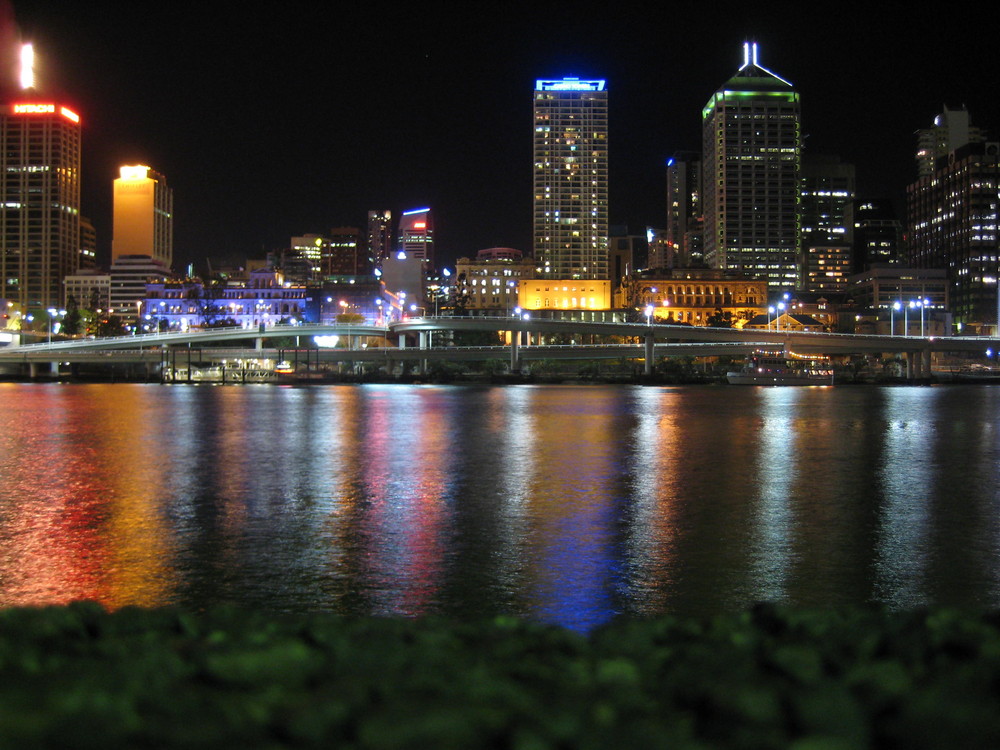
(527, 336)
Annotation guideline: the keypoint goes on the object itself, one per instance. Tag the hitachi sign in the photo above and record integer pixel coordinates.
(34, 109)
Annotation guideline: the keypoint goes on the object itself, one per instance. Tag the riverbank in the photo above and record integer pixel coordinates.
(78, 676)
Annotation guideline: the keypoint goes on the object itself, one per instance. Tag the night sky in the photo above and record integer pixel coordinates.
(304, 116)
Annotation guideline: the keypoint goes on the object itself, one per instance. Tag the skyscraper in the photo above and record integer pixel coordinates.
(40, 210)
(143, 215)
(571, 179)
(827, 208)
(951, 130)
(752, 149)
(416, 234)
(379, 236)
(952, 221)
(684, 215)
(878, 235)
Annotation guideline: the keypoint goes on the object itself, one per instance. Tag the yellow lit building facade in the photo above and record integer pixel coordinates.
(143, 215)
(694, 295)
(564, 294)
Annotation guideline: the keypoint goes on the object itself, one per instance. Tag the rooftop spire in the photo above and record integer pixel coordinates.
(750, 61)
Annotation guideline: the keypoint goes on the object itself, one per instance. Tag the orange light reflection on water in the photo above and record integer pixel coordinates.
(79, 505)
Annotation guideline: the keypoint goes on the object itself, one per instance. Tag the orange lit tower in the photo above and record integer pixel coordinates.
(40, 184)
(143, 221)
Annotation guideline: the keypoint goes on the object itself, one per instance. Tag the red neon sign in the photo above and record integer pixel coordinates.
(44, 108)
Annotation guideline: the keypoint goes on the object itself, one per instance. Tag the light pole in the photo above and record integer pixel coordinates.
(52, 315)
(906, 319)
(649, 315)
(777, 320)
(892, 317)
(922, 303)
(770, 312)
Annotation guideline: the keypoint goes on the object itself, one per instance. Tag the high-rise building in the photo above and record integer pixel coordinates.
(88, 244)
(951, 130)
(751, 161)
(416, 234)
(878, 235)
(827, 208)
(571, 179)
(379, 236)
(143, 215)
(343, 253)
(40, 210)
(684, 211)
(303, 261)
(952, 218)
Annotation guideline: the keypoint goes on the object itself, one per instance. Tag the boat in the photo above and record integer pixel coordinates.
(781, 368)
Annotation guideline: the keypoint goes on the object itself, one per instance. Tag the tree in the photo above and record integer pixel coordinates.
(110, 325)
(72, 323)
(206, 297)
(720, 319)
(460, 298)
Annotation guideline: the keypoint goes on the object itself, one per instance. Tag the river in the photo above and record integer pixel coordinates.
(566, 504)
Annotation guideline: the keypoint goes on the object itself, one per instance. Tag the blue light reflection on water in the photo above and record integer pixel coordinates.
(566, 504)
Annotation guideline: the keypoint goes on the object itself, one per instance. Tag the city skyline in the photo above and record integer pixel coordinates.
(268, 129)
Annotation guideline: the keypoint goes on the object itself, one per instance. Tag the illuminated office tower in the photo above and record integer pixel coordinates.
(878, 235)
(416, 234)
(827, 224)
(684, 219)
(953, 222)
(40, 185)
(379, 236)
(344, 254)
(752, 146)
(143, 215)
(571, 179)
(88, 244)
(951, 130)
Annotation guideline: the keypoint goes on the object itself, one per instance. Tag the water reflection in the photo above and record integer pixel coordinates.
(567, 504)
(906, 479)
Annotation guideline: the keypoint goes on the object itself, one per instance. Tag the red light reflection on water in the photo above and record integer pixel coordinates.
(405, 478)
(75, 515)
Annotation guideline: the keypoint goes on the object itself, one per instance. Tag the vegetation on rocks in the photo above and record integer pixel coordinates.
(770, 677)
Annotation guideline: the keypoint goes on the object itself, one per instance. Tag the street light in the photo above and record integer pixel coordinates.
(777, 320)
(649, 315)
(770, 312)
(892, 317)
(52, 314)
(922, 303)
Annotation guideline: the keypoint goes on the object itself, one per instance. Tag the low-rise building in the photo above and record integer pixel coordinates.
(264, 299)
(693, 295)
(490, 281)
